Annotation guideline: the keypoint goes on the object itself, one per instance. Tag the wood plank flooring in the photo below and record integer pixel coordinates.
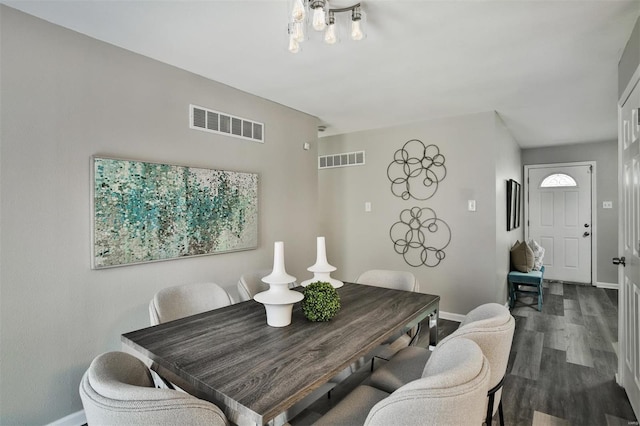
(563, 360)
(562, 365)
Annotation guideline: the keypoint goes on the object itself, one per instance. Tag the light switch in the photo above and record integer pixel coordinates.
(471, 205)
(367, 206)
(607, 204)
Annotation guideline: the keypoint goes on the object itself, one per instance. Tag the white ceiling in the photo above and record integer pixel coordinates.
(549, 68)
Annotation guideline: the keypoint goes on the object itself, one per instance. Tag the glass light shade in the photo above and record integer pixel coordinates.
(356, 30)
(318, 19)
(294, 46)
(330, 34)
(298, 32)
(298, 13)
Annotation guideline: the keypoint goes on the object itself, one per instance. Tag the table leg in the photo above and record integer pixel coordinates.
(433, 328)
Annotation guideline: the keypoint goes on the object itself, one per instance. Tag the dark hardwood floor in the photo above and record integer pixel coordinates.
(562, 365)
(563, 360)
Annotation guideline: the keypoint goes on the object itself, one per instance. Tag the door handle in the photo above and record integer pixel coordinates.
(586, 234)
(619, 261)
(586, 225)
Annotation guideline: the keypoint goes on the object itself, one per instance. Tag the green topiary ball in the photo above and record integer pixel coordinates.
(321, 301)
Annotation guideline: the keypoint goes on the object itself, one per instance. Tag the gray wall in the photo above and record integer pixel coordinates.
(605, 154)
(508, 165)
(630, 59)
(66, 97)
(474, 270)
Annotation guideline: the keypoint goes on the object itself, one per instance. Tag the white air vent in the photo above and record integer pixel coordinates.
(346, 159)
(222, 123)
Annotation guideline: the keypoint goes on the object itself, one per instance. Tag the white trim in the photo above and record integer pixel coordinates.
(451, 317)
(621, 300)
(622, 310)
(594, 207)
(613, 286)
(75, 419)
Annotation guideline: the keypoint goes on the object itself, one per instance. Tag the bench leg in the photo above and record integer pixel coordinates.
(512, 295)
(540, 290)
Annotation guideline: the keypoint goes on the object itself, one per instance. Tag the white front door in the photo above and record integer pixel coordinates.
(559, 218)
(629, 277)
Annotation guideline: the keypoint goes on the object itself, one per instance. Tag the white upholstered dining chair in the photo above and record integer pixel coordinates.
(451, 390)
(396, 280)
(117, 389)
(251, 283)
(180, 301)
(491, 326)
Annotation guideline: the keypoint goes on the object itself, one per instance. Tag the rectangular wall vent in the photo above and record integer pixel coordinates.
(345, 159)
(222, 123)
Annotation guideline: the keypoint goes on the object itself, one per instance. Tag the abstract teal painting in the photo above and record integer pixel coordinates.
(146, 212)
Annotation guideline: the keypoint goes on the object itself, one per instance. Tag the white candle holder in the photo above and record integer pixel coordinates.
(322, 270)
(279, 299)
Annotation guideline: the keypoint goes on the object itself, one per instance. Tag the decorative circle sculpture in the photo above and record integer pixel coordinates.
(420, 237)
(416, 170)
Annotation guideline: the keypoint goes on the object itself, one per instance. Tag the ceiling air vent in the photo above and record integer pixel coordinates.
(222, 123)
(346, 159)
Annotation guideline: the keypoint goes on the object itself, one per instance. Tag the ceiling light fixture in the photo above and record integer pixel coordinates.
(323, 18)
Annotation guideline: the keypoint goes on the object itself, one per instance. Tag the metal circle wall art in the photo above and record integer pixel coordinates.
(416, 170)
(420, 237)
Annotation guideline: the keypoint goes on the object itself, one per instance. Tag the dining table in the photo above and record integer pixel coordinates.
(257, 373)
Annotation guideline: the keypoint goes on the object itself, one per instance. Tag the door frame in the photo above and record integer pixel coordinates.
(622, 310)
(594, 210)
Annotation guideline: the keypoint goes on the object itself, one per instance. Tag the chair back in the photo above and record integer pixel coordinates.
(117, 388)
(251, 284)
(176, 302)
(398, 280)
(452, 390)
(491, 326)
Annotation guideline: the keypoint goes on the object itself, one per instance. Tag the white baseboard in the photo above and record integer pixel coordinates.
(74, 419)
(613, 286)
(451, 317)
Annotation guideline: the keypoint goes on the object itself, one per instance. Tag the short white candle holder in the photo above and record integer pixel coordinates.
(322, 270)
(279, 299)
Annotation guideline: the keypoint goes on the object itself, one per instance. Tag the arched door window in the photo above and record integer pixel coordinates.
(558, 180)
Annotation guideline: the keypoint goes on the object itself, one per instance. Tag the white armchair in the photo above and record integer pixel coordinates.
(396, 280)
(117, 389)
(491, 326)
(251, 284)
(180, 301)
(451, 391)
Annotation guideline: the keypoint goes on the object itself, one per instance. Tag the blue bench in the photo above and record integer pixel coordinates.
(525, 283)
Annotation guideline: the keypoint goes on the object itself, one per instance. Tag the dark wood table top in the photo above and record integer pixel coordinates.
(254, 372)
